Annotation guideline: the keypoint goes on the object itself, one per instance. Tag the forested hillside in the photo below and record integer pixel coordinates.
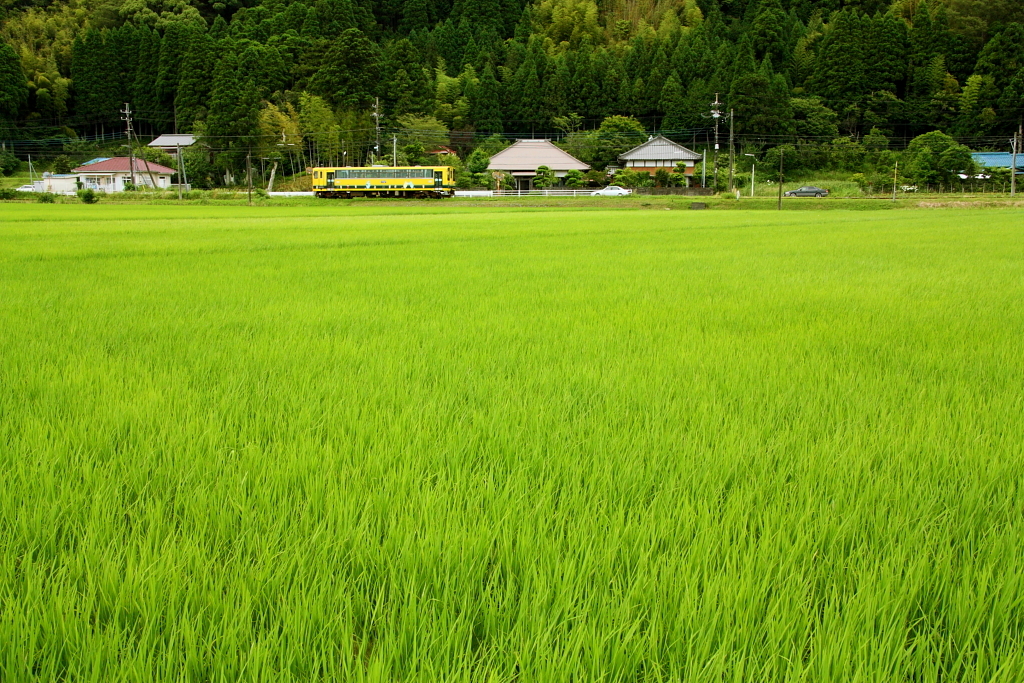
(304, 74)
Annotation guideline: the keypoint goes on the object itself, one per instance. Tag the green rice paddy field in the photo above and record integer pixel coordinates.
(436, 443)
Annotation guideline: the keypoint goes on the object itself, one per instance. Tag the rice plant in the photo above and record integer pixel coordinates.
(394, 443)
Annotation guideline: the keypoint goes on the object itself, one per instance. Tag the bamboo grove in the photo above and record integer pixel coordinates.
(272, 74)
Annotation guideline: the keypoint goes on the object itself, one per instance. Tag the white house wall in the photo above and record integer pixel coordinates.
(657, 163)
(115, 182)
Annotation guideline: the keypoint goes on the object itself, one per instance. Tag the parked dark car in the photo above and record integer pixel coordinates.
(808, 191)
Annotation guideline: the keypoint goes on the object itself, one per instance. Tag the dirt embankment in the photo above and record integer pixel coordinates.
(970, 205)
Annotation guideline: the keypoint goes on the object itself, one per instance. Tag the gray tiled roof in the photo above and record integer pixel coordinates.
(527, 155)
(660, 148)
(173, 140)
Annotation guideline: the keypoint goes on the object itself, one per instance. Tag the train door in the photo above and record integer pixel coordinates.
(438, 178)
(330, 179)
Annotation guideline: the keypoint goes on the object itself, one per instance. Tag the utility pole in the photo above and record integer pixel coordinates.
(704, 170)
(126, 116)
(895, 180)
(248, 174)
(181, 165)
(31, 174)
(376, 128)
(1017, 138)
(394, 150)
(716, 114)
(181, 170)
(782, 154)
(732, 149)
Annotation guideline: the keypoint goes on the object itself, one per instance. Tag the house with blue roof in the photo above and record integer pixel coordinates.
(998, 160)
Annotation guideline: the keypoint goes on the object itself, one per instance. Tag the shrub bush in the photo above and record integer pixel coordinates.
(62, 164)
(627, 177)
(8, 163)
(45, 198)
(8, 193)
(545, 178)
(88, 196)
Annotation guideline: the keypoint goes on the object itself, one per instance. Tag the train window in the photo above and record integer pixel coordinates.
(384, 174)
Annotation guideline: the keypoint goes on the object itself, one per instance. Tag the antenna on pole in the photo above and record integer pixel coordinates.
(716, 114)
(126, 116)
(376, 128)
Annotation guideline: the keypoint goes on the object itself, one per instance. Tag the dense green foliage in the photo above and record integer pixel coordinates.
(803, 70)
(434, 443)
(13, 86)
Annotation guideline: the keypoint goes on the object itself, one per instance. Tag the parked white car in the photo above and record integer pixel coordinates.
(27, 188)
(611, 191)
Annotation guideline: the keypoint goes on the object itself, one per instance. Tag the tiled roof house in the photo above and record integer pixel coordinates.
(659, 152)
(524, 157)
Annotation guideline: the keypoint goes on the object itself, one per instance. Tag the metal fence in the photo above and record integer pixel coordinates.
(523, 193)
(683, 191)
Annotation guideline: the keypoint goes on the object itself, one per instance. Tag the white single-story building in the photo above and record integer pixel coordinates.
(111, 175)
(57, 183)
(170, 142)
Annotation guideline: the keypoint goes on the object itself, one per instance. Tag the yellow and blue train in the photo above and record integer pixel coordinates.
(384, 181)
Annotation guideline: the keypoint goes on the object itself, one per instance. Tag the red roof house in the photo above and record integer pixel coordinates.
(111, 175)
